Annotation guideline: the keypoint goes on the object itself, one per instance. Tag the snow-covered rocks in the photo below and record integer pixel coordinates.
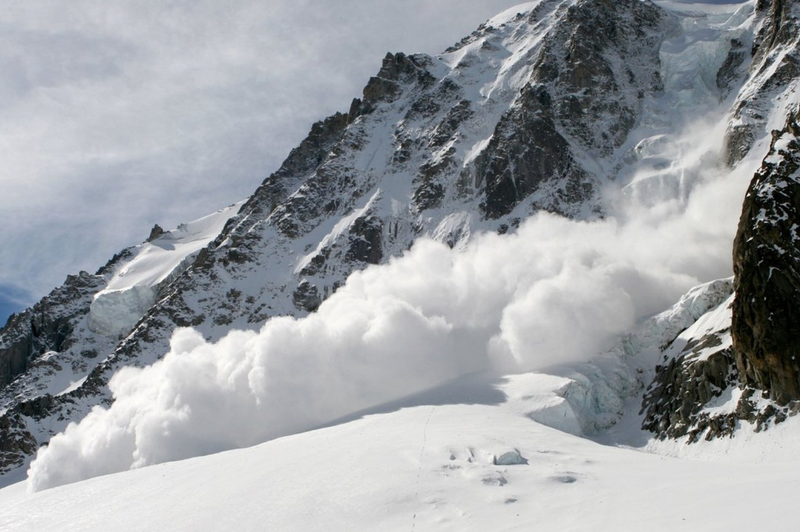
(134, 285)
(510, 458)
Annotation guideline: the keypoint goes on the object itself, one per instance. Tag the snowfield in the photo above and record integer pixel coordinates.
(431, 462)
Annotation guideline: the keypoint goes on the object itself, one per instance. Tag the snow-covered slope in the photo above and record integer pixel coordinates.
(51, 350)
(561, 177)
(462, 458)
(134, 285)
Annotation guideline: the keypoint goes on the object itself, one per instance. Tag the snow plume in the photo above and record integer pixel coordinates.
(557, 291)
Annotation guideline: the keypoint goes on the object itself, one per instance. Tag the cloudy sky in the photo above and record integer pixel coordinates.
(118, 115)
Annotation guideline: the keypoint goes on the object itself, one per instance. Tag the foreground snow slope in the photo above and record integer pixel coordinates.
(431, 466)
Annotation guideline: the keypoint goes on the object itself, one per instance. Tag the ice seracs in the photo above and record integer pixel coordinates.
(134, 285)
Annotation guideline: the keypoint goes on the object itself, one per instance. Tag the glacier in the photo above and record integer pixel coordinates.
(133, 287)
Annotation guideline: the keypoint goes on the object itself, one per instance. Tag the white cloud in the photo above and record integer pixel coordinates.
(556, 292)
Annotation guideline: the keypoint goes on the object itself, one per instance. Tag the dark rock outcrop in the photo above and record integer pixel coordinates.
(47, 326)
(397, 70)
(364, 241)
(766, 258)
(525, 154)
(683, 386)
(731, 69)
(595, 68)
(155, 232)
(601, 62)
(306, 296)
(17, 443)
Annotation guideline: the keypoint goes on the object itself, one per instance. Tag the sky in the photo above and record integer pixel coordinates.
(118, 115)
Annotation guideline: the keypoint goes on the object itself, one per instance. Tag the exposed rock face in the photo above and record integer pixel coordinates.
(540, 155)
(766, 255)
(601, 62)
(694, 370)
(155, 232)
(775, 62)
(397, 70)
(730, 71)
(47, 326)
(365, 240)
(598, 65)
(777, 27)
(18, 443)
(685, 384)
(306, 296)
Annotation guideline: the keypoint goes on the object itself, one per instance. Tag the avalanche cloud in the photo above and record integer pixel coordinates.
(555, 292)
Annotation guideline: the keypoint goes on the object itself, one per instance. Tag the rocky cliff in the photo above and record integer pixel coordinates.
(766, 258)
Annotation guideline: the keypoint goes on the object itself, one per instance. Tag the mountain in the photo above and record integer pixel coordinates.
(554, 196)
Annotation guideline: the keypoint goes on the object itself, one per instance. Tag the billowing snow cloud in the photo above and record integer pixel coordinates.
(555, 292)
